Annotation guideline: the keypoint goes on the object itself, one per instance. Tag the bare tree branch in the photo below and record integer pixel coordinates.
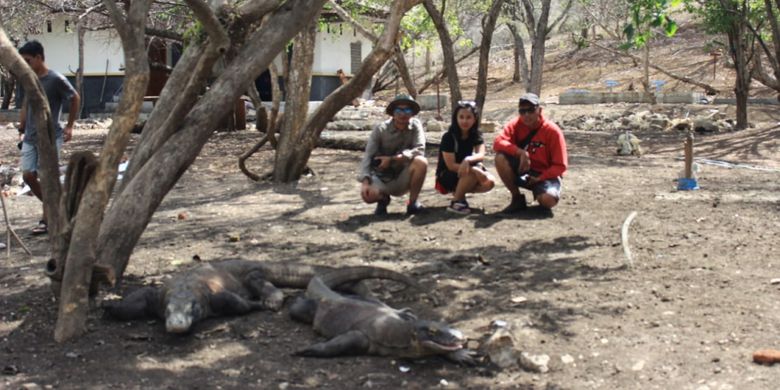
(378, 56)
(164, 34)
(399, 60)
(211, 24)
(707, 88)
(446, 46)
(564, 13)
(425, 85)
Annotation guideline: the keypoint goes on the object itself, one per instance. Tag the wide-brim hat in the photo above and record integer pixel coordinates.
(405, 100)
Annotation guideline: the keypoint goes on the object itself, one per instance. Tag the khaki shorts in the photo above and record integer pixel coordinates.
(395, 187)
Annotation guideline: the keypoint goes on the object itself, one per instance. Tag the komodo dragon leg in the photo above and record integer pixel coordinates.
(464, 357)
(303, 310)
(230, 303)
(350, 343)
(264, 291)
(141, 303)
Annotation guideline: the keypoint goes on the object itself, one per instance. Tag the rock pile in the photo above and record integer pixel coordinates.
(714, 121)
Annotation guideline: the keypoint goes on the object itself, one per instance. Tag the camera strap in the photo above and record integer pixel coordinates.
(527, 139)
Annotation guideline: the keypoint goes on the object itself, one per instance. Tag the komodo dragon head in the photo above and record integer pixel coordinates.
(435, 338)
(181, 311)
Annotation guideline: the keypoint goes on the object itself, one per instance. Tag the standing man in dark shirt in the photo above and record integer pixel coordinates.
(58, 91)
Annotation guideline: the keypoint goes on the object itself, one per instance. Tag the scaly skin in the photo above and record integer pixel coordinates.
(355, 325)
(231, 287)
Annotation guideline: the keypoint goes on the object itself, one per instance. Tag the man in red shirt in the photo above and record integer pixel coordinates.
(531, 153)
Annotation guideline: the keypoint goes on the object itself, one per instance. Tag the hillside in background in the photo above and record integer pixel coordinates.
(568, 67)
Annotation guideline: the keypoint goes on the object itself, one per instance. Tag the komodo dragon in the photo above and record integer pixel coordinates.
(358, 325)
(230, 287)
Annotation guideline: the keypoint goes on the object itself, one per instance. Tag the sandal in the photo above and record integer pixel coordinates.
(41, 228)
(459, 207)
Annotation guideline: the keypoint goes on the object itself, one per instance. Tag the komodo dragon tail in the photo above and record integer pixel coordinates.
(322, 286)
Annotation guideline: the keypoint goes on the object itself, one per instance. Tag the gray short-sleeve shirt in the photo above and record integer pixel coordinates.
(58, 90)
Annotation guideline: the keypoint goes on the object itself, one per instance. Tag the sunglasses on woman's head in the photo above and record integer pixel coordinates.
(404, 110)
(467, 103)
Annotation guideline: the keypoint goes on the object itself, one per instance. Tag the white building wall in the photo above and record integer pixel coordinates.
(62, 51)
(332, 50)
(103, 49)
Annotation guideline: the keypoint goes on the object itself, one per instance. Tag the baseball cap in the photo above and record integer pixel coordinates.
(530, 98)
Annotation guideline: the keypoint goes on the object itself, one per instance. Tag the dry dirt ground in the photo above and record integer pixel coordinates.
(687, 315)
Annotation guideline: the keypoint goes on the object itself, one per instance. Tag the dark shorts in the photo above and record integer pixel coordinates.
(447, 181)
(551, 187)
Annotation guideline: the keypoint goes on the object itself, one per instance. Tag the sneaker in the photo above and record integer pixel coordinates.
(381, 206)
(41, 228)
(459, 207)
(518, 204)
(414, 208)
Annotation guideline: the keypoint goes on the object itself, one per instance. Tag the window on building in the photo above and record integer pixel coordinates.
(67, 26)
(356, 56)
(48, 26)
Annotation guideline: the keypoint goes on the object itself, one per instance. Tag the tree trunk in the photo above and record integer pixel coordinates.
(308, 136)
(428, 60)
(276, 102)
(288, 163)
(488, 26)
(742, 82)
(773, 56)
(537, 48)
(181, 91)
(383, 50)
(759, 74)
(400, 60)
(425, 85)
(649, 93)
(772, 17)
(740, 50)
(520, 73)
(178, 96)
(9, 86)
(403, 70)
(81, 257)
(80, 71)
(450, 68)
(132, 209)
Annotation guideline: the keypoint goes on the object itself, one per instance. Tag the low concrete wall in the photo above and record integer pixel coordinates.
(590, 97)
(770, 101)
(9, 116)
(679, 98)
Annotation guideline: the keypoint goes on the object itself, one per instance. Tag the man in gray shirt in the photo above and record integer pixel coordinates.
(58, 91)
(394, 161)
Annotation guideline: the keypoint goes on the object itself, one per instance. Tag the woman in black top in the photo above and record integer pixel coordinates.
(461, 151)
